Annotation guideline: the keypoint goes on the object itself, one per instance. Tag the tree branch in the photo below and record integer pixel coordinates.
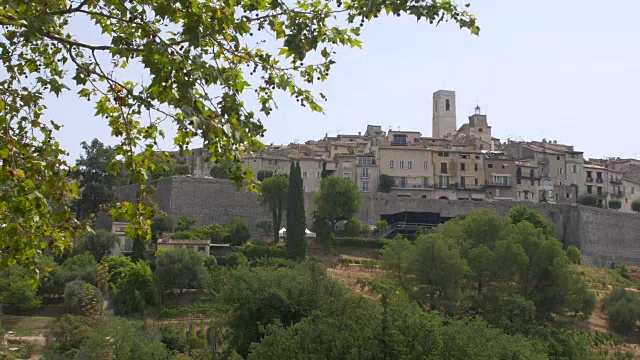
(70, 10)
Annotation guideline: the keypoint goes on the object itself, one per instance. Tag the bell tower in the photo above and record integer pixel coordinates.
(444, 113)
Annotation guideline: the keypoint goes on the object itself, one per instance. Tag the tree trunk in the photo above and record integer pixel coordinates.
(276, 225)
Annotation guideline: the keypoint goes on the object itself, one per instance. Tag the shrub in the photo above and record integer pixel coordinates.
(22, 295)
(172, 339)
(588, 200)
(385, 183)
(91, 300)
(353, 227)
(623, 271)
(234, 260)
(381, 227)
(615, 204)
(266, 226)
(185, 223)
(160, 224)
(193, 311)
(237, 232)
(184, 235)
(635, 205)
(256, 251)
(182, 169)
(360, 242)
(73, 294)
(623, 309)
(574, 254)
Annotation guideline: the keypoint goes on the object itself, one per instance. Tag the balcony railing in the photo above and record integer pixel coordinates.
(498, 183)
(600, 180)
(589, 179)
(616, 181)
(412, 186)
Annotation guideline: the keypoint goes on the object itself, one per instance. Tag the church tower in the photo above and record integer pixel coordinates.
(444, 113)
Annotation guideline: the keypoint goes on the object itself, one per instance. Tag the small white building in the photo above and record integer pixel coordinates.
(125, 246)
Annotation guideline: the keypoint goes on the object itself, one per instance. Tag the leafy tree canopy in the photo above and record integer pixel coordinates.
(198, 61)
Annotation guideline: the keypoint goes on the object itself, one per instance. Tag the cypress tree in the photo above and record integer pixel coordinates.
(300, 217)
(296, 244)
(291, 204)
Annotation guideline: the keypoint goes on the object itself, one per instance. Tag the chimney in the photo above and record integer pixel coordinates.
(359, 133)
(493, 145)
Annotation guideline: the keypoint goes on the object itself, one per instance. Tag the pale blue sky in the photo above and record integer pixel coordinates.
(567, 69)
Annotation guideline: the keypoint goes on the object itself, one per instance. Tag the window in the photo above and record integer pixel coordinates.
(305, 174)
(475, 181)
(317, 174)
(346, 164)
(568, 195)
(557, 197)
(589, 189)
(531, 172)
(599, 190)
(560, 171)
(533, 181)
(201, 249)
(409, 164)
(550, 194)
(465, 156)
(443, 154)
(401, 164)
(346, 175)
(447, 105)
(364, 186)
(477, 157)
(574, 169)
(319, 164)
(558, 157)
(633, 189)
(480, 129)
(599, 175)
(505, 166)
(490, 166)
(365, 161)
(399, 140)
(443, 168)
(475, 167)
(462, 166)
(425, 165)
(390, 164)
(365, 173)
(519, 181)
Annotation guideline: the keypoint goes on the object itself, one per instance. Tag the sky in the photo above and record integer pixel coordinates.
(562, 70)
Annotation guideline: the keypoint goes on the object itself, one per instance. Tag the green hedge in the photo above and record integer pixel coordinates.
(360, 242)
(193, 310)
(257, 251)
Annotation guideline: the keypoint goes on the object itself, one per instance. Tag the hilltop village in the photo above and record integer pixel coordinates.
(456, 163)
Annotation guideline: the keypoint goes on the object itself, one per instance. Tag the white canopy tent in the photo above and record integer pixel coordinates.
(309, 234)
(283, 232)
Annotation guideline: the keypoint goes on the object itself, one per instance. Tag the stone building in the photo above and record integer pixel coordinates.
(444, 113)
(630, 192)
(500, 175)
(605, 184)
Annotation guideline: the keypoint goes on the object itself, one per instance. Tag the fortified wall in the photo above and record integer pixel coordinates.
(603, 236)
